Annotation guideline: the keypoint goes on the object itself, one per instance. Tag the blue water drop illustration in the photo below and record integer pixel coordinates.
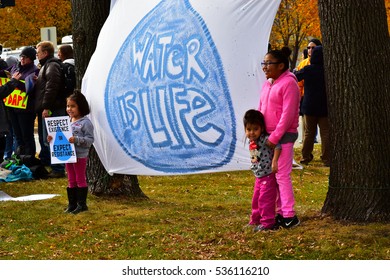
(166, 98)
(61, 148)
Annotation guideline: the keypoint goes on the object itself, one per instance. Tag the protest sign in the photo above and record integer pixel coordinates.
(17, 99)
(61, 150)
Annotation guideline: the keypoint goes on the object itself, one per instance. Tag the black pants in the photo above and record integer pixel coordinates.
(2, 147)
(23, 127)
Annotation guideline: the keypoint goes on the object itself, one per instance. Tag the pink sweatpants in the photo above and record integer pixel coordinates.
(285, 201)
(263, 201)
(77, 173)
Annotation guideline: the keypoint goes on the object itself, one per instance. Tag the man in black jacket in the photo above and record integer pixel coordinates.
(49, 100)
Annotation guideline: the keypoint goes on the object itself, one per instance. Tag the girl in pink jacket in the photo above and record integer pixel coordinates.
(279, 103)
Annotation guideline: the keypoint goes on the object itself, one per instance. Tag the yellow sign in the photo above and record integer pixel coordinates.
(17, 99)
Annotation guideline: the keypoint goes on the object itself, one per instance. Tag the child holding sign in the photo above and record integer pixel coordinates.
(82, 129)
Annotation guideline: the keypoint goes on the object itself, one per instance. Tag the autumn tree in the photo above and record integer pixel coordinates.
(296, 21)
(88, 19)
(357, 64)
(21, 25)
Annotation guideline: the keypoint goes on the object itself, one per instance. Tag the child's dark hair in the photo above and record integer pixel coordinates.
(282, 56)
(81, 102)
(254, 117)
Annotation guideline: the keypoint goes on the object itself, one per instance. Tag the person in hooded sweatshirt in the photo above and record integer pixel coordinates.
(65, 54)
(279, 103)
(314, 107)
(22, 115)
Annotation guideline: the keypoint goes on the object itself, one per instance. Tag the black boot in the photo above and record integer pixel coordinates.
(72, 199)
(81, 200)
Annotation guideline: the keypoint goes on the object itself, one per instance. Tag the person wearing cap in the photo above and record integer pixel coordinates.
(22, 117)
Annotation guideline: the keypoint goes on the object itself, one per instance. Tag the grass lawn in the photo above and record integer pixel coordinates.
(192, 217)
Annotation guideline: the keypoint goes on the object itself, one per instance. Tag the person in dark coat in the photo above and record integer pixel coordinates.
(5, 128)
(10, 141)
(49, 100)
(23, 117)
(314, 107)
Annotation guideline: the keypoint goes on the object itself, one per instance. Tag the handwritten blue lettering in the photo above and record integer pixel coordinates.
(167, 101)
(189, 107)
(154, 57)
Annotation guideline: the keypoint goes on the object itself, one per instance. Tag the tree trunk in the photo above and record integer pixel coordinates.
(101, 183)
(357, 66)
(88, 19)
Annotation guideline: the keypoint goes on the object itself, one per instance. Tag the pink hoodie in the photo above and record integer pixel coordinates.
(279, 103)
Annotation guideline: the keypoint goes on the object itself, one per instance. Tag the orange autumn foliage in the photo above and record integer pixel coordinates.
(295, 23)
(22, 23)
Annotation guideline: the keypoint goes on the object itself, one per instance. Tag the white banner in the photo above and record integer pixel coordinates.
(32, 197)
(170, 81)
(61, 150)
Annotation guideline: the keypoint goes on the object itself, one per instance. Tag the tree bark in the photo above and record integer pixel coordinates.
(88, 19)
(101, 183)
(357, 66)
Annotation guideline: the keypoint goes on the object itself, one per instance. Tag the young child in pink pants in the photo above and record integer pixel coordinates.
(264, 164)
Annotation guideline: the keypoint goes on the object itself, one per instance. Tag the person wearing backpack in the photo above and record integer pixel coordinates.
(65, 54)
(49, 100)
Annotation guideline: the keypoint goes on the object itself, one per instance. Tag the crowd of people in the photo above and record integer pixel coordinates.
(272, 130)
(41, 90)
(33, 93)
